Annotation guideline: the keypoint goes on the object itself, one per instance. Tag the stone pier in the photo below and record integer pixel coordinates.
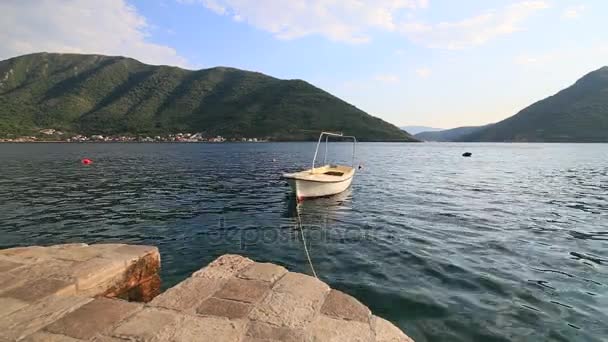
(108, 293)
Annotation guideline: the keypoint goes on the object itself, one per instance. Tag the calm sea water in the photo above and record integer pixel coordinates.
(509, 245)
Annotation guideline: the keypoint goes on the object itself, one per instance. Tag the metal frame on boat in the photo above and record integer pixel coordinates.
(325, 180)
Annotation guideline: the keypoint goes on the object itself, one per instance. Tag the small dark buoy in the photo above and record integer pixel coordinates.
(87, 161)
(467, 154)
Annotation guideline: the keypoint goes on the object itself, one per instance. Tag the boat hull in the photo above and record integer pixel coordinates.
(306, 189)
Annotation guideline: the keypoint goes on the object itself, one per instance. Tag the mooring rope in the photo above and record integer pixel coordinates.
(304, 241)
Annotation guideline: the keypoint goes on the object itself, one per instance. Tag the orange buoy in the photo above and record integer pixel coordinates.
(87, 161)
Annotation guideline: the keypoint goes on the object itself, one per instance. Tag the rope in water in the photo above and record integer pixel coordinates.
(304, 241)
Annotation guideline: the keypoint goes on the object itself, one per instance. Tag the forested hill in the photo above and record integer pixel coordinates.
(578, 113)
(94, 94)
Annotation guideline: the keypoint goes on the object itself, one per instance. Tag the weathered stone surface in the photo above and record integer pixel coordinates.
(31, 318)
(188, 294)
(6, 265)
(55, 269)
(233, 299)
(293, 302)
(263, 272)
(264, 332)
(285, 309)
(149, 324)
(40, 288)
(243, 290)
(208, 329)
(145, 291)
(110, 339)
(340, 305)
(302, 285)
(93, 318)
(138, 272)
(134, 252)
(8, 281)
(327, 329)
(96, 275)
(224, 308)
(42, 336)
(10, 305)
(224, 267)
(72, 252)
(385, 331)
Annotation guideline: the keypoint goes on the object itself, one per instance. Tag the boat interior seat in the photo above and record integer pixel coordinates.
(334, 173)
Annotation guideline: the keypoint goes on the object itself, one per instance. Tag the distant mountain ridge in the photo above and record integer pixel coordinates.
(95, 94)
(418, 129)
(578, 113)
(454, 134)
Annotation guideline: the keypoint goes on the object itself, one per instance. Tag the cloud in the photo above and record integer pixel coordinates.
(423, 72)
(346, 21)
(473, 31)
(386, 78)
(109, 27)
(573, 12)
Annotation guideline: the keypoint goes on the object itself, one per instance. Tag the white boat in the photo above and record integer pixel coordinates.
(324, 180)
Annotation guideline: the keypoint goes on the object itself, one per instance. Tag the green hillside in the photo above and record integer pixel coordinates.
(95, 94)
(576, 114)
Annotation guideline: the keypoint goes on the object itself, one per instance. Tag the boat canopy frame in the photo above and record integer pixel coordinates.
(327, 135)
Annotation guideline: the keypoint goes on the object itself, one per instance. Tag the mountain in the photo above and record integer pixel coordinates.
(578, 113)
(94, 94)
(453, 134)
(418, 129)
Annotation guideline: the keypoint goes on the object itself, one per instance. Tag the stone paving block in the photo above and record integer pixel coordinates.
(264, 332)
(93, 318)
(77, 254)
(327, 329)
(8, 281)
(55, 269)
(36, 253)
(224, 267)
(48, 337)
(32, 318)
(188, 294)
(286, 309)
(10, 305)
(302, 285)
(340, 305)
(150, 324)
(134, 252)
(108, 339)
(263, 271)
(243, 290)
(40, 288)
(6, 265)
(96, 275)
(224, 308)
(208, 329)
(385, 331)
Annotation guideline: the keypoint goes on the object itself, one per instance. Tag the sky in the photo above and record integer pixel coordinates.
(438, 63)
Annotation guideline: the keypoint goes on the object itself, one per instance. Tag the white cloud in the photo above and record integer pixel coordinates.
(473, 31)
(347, 20)
(109, 27)
(386, 78)
(573, 12)
(423, 72)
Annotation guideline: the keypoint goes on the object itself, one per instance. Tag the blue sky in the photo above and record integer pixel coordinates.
(440, 63)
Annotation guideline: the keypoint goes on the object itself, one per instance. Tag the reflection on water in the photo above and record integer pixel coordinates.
(509, 245)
